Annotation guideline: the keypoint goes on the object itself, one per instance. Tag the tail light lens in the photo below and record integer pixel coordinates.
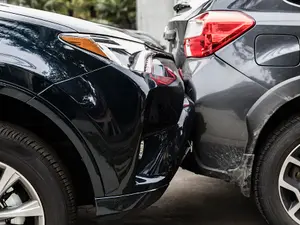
(213, 30)
(160, 73)
(168, 78)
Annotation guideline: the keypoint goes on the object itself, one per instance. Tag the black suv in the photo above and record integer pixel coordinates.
(89, 115)
(241, 68)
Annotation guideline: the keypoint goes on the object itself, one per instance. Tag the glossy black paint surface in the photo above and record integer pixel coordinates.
(36, 57)
(238, 89)
(112, 206)
(109, 134)
(113, 131)
(162, 157)
(105, 109)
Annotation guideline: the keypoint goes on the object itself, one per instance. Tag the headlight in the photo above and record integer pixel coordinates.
(114, 49)
(83, 42)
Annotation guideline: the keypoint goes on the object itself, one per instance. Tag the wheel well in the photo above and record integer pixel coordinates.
(16, 112)
(284, 112)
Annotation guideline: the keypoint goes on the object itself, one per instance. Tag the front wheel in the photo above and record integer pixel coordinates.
(277, 175)
(34, 188)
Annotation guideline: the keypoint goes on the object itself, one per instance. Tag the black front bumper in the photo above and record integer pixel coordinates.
(163, 153)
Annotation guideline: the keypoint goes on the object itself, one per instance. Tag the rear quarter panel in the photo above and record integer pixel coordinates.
(254, 5)
(242, 53)
(251, 71)
(273, 64)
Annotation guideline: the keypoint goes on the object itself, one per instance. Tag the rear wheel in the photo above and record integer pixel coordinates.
(277, 175)
(34, 188)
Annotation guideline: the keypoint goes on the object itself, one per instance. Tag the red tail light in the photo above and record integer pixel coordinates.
(168, 78)
(213, 30)
(160, 73)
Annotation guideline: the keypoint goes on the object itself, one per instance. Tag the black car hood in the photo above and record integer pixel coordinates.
(78, 25)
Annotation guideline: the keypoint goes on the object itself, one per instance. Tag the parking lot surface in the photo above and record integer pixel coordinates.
(194, 200)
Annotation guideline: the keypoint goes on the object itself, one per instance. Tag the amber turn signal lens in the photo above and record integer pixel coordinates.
(85, 43)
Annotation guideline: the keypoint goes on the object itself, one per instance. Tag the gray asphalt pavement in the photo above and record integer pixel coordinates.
(195, 200)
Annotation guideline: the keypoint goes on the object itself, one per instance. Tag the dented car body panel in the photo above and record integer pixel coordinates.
(129, 125)
(220, 150)
(241, 89)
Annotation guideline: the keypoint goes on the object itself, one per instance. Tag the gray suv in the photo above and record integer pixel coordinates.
(240, 61)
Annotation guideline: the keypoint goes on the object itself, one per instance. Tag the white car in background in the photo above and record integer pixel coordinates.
(175, 30)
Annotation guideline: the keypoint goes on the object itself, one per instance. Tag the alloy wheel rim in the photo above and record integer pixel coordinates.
(19, 202)
(289, 184)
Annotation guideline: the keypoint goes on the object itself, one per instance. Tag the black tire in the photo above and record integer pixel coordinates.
(27, 154)
(277, 148)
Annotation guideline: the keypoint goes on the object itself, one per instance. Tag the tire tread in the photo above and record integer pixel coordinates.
(273, 136)
(48, 157)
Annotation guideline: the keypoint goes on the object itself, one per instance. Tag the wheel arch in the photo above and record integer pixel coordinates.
(37, 104)
(275, 104)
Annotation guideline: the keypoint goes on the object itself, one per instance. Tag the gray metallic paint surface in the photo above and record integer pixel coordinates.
(222, 134)
(267, 105)
(280, 77)
(237, 90)
(240, 54)
(254, 5)
(273, 50)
